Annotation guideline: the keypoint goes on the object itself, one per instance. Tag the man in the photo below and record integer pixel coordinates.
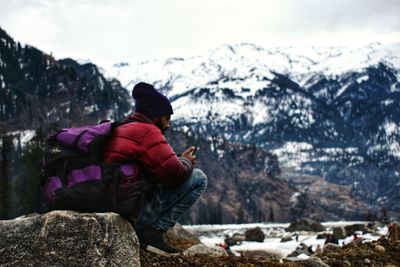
(174, 184)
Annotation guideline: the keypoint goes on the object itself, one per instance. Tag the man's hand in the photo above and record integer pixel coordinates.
(189, 154)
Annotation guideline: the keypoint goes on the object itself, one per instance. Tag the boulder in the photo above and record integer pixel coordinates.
(394, 232)
(329, 238)
(300, 249)
(339, 232)
(286, 237)
(66, 238)
(379, 248)
(203, 249)
(180, 238)
(275, 233)
(305, 225)
(237, 237)
(254, 234)
(351, 229)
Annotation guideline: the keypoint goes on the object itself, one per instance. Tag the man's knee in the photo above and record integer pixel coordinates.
(200, 178)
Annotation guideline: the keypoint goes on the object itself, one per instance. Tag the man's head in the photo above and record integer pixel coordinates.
(154, 105)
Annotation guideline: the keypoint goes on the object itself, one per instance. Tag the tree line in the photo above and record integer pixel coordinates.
(19, 174)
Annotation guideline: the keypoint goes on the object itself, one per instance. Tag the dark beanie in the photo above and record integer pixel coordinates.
(150, 102)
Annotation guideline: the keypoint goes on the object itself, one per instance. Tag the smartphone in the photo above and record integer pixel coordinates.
(194, 150)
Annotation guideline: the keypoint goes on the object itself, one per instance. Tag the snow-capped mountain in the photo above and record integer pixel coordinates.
(330, 111)
(236, 80)
(243, 61)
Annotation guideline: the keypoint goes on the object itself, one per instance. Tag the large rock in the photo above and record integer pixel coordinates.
(331, 239)
(254, 234)
(300, 249)
(207, 250)
(66, 238)
(180, 238)
(286, 237)
(394, 232)
(238, 238)
(351, 229)
(305, 225)
(339, 232)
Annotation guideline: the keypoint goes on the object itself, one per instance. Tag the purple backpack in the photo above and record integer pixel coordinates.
(74, 177)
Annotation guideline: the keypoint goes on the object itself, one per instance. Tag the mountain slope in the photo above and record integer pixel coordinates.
(36, 89)
(332, 112)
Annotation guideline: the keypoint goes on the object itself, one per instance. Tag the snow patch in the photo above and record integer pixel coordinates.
(22, 137)
(2, 83)
(83, 61)
(293, 198)
(387, 102)
(392, 131)
(362, 79)
(90, 109)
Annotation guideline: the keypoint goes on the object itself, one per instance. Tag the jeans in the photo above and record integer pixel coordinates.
(167, 204)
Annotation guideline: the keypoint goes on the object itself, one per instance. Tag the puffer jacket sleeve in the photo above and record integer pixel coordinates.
(161, 160)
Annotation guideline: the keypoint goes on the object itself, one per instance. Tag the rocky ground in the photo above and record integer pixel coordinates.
(383, 252)
(369, 254)
(150, 259)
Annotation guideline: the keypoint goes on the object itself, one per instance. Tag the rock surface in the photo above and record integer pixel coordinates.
(66, 238)
(207, 250)
(359, 227)
(394, 232)
(306, 225)
(339, 232)
(180, 238)
(254, 234)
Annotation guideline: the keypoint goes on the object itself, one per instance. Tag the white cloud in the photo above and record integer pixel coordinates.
(107, 31)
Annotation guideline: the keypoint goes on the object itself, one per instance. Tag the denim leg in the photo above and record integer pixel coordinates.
(167, 204)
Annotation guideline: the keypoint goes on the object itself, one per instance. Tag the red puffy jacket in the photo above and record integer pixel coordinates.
(143, 142)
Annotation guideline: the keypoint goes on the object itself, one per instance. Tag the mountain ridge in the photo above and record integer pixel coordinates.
(338, 107)
(289, 61)
(38, 89)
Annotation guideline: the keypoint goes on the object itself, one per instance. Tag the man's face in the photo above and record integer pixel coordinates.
(163, 123)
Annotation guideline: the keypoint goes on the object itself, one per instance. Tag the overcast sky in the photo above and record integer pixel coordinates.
(109, 31)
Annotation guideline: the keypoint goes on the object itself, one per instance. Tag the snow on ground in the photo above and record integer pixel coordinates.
(222, 227)
(212, 235)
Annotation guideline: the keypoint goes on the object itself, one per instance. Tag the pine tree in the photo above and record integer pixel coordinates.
(271, 214)
(240, 215)
(5, 174)
(302, 206)
(215, 213)
(32, 160)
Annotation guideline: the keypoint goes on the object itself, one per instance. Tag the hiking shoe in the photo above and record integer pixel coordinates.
(151, 239)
